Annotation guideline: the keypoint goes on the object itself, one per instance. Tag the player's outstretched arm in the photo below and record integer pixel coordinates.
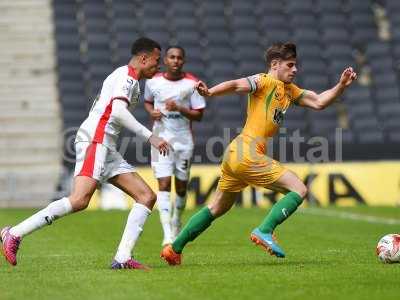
(121, 113)
(326, 98)
(240, 86)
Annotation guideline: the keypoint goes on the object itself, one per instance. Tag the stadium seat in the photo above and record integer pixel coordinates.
(181, 8)
(388, 94)
(154, 10)
(185, 23)
(358, 93)
(365, 35)
(324, 6)
(304, 20)
(296, 7)
(218, 37)
(336, 35)
(309, 35)
(187, 38)
(371, 137)
(332, 20)
(243, 23)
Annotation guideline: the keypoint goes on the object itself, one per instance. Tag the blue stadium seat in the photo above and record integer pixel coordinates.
(365, 35)
(357, 93)
(324, 6)
(309, 35)
(336, 35)
(243, 23)
(185, 23)
(298, 7)
(336, 50)
(181, 8)
(371, 136)
(154, 10)
(218, 37)
(304, 20)
(388, 94)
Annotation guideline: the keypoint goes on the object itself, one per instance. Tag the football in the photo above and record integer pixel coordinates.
(388, 248)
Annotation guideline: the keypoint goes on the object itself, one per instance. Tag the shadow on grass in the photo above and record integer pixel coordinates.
(247, 263)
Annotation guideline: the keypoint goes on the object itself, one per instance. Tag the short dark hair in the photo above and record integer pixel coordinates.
(175, 47)
(280, 50)
(144, 44)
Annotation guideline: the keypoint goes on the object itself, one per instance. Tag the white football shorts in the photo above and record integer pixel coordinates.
(99, 162)
(176, 163)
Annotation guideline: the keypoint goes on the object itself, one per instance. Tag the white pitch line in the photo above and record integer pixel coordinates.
(349, 216)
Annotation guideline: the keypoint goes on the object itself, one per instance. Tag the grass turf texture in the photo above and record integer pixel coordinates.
(327, 258)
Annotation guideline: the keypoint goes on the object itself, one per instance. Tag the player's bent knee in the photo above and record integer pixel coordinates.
(79, 203)
(181, 192)
(165, 186)
(218, 210)
(148, 199)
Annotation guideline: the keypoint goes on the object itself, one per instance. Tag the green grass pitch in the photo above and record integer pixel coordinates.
(327, 258)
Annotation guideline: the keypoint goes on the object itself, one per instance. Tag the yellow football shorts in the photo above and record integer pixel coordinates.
(243, 165)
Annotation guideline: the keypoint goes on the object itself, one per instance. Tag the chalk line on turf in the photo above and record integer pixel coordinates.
(349, 216)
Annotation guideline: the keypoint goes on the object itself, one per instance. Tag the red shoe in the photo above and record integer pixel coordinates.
(170, 256)
(129, 264)
(10, 245)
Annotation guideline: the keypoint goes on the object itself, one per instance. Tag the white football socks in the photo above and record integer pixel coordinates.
(164, 208)
(46, 216)
(179, 207)
(134, 227)
(176, 222)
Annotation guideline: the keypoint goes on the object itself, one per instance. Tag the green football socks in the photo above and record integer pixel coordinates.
(280, 212)
(194, 227)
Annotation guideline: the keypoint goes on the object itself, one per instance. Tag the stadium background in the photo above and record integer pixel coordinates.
(54, 59)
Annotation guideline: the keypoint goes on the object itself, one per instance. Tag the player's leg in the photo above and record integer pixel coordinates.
(182, 175)
(198, 223)
(137, 188)
(287, 205)
(229, 185)
(163, 170)
(179, 206)
(11, 237)
(83, 189)
(295, 191)
(164, 208)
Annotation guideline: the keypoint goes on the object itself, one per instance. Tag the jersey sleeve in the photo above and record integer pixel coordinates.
(296, 93)
(197, 101)
(148, 94)
(257, 82)
(124, 87)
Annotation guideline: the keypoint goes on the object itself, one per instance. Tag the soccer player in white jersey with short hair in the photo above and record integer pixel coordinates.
(173, 103)
(97, 159)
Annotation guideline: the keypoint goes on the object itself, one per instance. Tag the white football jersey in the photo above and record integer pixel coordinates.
(173, 126)
(101, 126)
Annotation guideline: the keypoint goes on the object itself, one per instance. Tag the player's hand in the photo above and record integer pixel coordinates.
(171, 105)
(156, 114)
(162, 145)
(202, 89)
(348, 76)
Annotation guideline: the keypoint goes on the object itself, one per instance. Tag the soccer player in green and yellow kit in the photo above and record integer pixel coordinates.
(245, 161)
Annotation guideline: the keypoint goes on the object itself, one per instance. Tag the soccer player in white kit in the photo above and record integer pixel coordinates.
(97, 159)
(173, 102)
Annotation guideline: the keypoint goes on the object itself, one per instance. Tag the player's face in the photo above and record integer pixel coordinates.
(174, 60)
(151, 63)
(287, 70)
